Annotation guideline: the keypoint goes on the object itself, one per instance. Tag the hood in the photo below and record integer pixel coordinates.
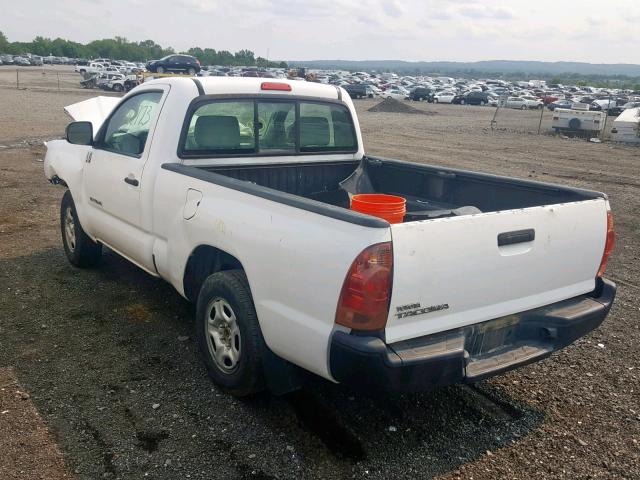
(94, 110)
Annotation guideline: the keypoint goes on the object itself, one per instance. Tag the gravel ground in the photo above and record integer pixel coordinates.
(109, 359)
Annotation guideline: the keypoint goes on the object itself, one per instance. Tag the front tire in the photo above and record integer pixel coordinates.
(523, 107)
(229, 335)
(81, 251)
(160, 70)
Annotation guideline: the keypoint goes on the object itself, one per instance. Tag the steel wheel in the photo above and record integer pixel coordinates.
(70, 229)
(223, 335)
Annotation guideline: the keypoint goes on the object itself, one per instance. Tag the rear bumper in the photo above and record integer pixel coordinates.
(470, 353)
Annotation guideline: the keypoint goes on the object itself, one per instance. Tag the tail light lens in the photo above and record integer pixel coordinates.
(282, 87)
(609, 244)
(364, 300)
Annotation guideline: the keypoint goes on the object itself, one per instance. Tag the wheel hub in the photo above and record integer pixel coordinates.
(223, 335)
(70, 229)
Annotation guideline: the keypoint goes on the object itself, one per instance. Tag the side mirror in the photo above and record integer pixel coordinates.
(80, 133)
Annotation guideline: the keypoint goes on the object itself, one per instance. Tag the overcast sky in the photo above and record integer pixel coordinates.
(463, 30)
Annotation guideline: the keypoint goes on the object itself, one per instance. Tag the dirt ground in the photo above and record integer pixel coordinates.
(97, 350)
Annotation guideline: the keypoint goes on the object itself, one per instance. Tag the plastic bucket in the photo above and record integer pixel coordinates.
(388, 207)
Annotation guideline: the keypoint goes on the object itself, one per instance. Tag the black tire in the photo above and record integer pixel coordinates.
(462, 102)
(575, 123)
(191, 71)
(117, 87)
(482, 103)
(523, 107)
(160, 70)
(247, 377)
(82, 252)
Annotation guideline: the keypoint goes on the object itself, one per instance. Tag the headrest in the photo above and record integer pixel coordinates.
(314, 132)
(215, 132)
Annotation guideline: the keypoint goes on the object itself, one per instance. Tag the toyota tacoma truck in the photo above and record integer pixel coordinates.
(237, 192)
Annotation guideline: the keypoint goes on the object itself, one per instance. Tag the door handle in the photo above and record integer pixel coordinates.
(132, 181)
(517, 236)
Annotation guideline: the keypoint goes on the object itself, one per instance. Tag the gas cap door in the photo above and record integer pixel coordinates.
(192, 203)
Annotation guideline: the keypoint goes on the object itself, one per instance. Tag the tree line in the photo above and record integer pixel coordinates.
(122, 49)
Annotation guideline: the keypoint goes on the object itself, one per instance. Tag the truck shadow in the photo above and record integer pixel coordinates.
(108, 357)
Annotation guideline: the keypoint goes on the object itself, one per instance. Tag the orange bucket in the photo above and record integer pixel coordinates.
(388, 207)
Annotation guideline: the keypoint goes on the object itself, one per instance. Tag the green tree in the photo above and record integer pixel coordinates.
(4, 43)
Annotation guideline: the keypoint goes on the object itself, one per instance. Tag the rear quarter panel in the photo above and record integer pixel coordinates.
(295, 260)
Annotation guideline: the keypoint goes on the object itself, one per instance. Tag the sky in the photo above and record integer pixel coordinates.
(593, 31)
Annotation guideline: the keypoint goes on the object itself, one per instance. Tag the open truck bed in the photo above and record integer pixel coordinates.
(431, 192)
(477, 245)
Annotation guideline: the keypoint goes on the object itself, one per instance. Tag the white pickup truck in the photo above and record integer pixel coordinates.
(237, 192)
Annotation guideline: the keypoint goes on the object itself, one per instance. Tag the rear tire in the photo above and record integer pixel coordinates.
(81, 251)
(229, 335)
(523, 107)
(482, 103)
(191, 71)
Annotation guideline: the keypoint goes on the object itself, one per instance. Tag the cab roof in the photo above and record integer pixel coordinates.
(251, 85)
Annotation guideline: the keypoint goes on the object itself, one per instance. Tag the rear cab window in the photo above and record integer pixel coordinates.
(266, 127)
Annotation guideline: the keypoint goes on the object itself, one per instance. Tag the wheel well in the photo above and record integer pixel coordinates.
(204, 261)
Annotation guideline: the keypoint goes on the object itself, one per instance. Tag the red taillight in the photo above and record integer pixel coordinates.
(364, 300)
(609, 244)
(283, 87)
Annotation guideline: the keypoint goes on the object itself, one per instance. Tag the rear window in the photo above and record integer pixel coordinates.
(267, 127)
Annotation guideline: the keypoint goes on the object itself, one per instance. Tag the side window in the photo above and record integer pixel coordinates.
(325, 127)
(222, 127)
(128, 127)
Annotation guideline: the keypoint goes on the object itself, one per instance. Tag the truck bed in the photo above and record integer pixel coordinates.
(431, 192)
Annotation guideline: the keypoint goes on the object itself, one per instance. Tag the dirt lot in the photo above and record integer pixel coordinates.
(97, 349)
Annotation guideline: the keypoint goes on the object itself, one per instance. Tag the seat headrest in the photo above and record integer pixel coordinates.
(213, 132)
(314, 132)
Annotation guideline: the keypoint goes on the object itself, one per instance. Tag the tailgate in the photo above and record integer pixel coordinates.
(451, 272)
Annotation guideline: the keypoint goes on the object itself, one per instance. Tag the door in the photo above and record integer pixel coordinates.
(113, 171)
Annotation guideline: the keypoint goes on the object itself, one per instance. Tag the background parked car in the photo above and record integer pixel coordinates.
(397, 93)
(420, 93)
(474, 98)
(175, 64)
(358, 90)
(532, 102)
(517, 102)
(443, 97)
(560, 104)
(22, 61)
